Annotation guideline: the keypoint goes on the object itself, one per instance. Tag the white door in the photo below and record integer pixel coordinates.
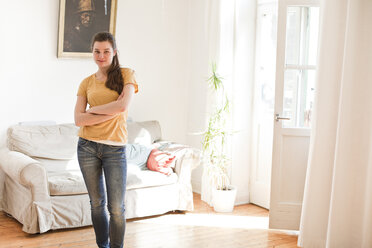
(260, 174)
(297, 42)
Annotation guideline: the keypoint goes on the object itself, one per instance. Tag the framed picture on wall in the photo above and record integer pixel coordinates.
(79, 20)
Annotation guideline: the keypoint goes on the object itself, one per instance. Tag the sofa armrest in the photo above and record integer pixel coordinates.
(25, 171)
(187, 159)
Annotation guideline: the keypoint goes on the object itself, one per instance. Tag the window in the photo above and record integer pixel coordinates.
(300, 65)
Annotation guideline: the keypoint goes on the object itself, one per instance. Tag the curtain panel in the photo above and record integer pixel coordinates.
(337, 206)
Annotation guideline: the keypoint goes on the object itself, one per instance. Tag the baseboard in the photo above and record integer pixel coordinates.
(242, 198)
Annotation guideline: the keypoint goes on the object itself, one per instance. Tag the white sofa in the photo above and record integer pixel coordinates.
(43, 187)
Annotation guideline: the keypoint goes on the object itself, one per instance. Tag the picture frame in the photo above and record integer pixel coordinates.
(79, 20)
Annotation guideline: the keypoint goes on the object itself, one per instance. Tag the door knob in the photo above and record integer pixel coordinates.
(279, 118)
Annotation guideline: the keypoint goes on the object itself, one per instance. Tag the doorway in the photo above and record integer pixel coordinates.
(286, 52)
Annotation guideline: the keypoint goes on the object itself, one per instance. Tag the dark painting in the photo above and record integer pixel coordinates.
(82, 19)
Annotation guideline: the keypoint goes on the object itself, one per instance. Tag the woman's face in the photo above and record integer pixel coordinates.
(103, 53)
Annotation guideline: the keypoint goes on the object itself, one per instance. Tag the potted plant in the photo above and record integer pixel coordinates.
(216, 160)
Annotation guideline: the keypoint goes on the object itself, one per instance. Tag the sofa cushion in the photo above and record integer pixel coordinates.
(54, 141)
(66, 183)
(137, 178)
(60, 141)
(144, 133)
(71, 182)
(161, 161)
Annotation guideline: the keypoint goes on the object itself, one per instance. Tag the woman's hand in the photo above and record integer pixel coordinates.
(84, 118)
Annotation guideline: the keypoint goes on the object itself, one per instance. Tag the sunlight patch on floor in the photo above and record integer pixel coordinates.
(211, 220)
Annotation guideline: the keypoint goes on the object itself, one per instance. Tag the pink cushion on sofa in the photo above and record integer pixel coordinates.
(160, 161)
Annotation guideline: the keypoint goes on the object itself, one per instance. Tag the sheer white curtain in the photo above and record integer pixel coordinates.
(230, 28)
(337, 207)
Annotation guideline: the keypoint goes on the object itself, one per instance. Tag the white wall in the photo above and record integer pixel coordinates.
(152, 38)
(165, 41)
(198, 87)
(36, 85)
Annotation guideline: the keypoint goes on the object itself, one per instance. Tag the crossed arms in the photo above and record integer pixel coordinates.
(102, 113)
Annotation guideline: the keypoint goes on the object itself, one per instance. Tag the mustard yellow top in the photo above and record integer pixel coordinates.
(98, 94)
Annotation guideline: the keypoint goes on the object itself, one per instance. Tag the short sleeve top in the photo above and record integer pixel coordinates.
(97, 94)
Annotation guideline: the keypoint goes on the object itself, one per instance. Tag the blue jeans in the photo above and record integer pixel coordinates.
(104, 169)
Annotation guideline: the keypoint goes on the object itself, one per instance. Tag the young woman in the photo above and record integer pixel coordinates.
(103, 135)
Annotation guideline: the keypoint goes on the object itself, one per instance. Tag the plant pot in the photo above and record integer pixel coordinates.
(224, 200)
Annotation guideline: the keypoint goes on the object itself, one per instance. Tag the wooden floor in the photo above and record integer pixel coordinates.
(246, 227)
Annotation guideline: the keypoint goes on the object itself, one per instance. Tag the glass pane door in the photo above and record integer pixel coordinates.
(300, 65)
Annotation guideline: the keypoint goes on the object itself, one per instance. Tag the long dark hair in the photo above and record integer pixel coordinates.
(115, 79)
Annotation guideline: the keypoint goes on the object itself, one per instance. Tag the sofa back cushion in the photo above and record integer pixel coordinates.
(60, 141)
(144, 133)
(54, 141)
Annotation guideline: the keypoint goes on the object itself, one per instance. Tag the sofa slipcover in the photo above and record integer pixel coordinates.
(43, 188)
